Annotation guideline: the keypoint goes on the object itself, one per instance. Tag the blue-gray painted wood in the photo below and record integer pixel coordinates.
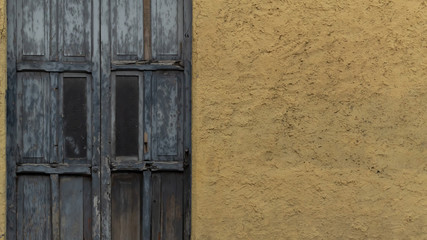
(74, 27)
(34, 207)
(33, 117)
(146, 206)
(71, 208)
(34, 21)
(11, 123)
(127, 29)
(167, 116)
(62, 55)
(167, 29)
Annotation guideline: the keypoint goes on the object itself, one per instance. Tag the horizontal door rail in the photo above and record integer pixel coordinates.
(54, 67)
(77, 169)
(148, 165)
(137, 66)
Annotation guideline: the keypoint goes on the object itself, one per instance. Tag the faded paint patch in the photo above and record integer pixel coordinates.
(309, 119)
(3, 82)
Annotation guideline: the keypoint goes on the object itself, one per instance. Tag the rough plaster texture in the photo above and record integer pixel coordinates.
(309, 119)
(3, 42)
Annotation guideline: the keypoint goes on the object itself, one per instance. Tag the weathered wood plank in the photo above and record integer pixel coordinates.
(187, 58)
(54, 183)
(167, 110)
(147, 29)
(147, 165)
(126, 206)
(127, 29)
(11, 122)
(105, 120)
(81, 169)
(87, 208)
(135, 66)
(156, 207)
(34, 20)
(71, 208)
(147, 115)
(146, 206)
(33, 90)
(34, 207)
(167, 28)
(54, 67)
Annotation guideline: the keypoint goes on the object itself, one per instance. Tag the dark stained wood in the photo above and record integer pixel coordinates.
(126, 206)
(187, 58)
(147, 29)
(54, 183)
(34, 207)
(167, 206)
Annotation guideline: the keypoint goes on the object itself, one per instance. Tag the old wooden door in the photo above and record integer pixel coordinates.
(98, 143)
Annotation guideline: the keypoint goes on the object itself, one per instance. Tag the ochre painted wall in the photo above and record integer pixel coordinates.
(3, 66)
(309, 119)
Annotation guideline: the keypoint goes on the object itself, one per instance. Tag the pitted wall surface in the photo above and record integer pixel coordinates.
(309, 119)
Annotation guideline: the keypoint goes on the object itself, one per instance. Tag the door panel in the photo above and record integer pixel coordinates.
(34, 207)
(99, 102)
(33, 100)
(167, 29)
(167, 117)
(127, 30)
(126, 206)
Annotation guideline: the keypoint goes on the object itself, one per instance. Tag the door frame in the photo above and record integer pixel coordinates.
(12, 153)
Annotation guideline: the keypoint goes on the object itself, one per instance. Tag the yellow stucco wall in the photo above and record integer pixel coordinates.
(309, 119)
(3, 82)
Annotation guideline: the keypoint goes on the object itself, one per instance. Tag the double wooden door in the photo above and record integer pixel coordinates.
(98, 119)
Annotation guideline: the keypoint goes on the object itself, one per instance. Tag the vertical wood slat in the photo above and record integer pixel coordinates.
(147, 115)
(96, 122)
(105, 120)
(146, 205)
(187, 57)
(156, 207)
(11, 120)
(54, 182)
(147, 29)
(52, 147)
